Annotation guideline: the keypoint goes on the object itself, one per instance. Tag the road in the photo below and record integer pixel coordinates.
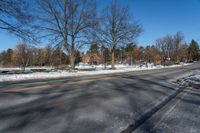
(139, 102)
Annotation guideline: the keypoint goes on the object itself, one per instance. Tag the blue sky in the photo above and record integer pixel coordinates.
(158, 17)
(161, 17)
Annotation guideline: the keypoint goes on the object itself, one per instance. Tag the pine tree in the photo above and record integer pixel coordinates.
(193, 51)
(94, 49)
(106, 56)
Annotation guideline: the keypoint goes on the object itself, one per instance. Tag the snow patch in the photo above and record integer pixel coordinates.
(190, 80)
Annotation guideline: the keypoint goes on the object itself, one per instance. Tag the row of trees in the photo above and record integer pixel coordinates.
(25, 55)
(168, 49)
(174, 48)
(163, 52)
(70, 23)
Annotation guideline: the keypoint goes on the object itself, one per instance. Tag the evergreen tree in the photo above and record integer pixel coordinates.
(7, 57)
(94, 48)
(106, 56)
(193, 51)
(78, 57)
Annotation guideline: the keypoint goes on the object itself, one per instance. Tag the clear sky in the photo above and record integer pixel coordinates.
(158, 17)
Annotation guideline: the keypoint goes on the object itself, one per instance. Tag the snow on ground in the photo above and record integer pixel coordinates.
(98, 69)
(190, 80)
(28, 68)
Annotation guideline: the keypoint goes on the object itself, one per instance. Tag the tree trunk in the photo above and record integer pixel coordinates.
(131, 60)
(113, 59)
(23, 68)
(72, 61)
(104, 61)
(177, 59)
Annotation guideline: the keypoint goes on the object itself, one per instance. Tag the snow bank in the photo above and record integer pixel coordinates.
(99, 69)
(190, 80)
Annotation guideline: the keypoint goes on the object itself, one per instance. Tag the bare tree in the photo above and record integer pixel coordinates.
(152, 54)
(48, 53)
(183, 53)
(117, 28)
(66, 22)
(170, 46)
(40, 57)
(23, 52)
(160, 44)
(16, 19)
(178, 42)
(57, 56)
(165, 45)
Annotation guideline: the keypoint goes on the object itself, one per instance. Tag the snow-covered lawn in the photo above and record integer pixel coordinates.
(190, 80)
(99, 69)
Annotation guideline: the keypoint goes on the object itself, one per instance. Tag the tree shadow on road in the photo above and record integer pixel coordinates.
(99, 105)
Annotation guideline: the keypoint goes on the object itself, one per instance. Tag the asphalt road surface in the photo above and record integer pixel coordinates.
(139, 102)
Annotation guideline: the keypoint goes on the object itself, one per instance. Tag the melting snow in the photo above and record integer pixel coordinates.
(191, 80)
